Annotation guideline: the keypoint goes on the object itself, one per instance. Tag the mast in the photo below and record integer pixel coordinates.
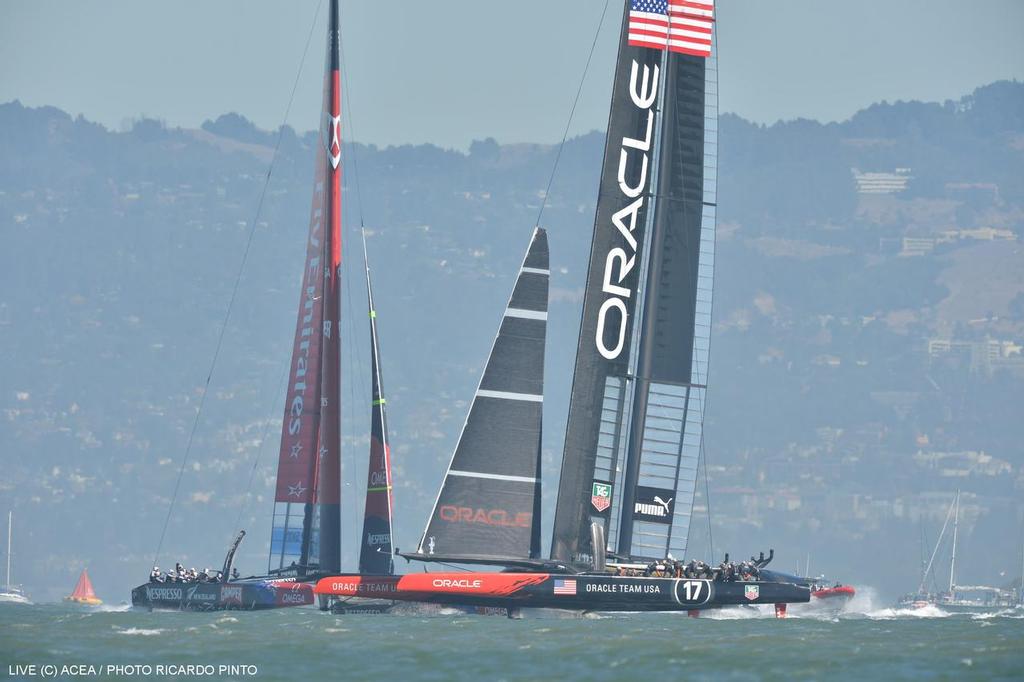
(329, 479)
(635, 419)
(305, 532)
(956, 526)
(375, 555)
(1020, 594)
(10, 520)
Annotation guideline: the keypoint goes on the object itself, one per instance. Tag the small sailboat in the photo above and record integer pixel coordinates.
(11, 594)
(83, 592)
(959, 598)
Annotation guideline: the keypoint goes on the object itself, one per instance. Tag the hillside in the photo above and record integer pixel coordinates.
(866, 362)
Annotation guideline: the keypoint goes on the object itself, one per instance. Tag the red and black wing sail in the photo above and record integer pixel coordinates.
(306, 525)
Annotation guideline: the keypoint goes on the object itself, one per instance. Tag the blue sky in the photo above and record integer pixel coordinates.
(451, 71)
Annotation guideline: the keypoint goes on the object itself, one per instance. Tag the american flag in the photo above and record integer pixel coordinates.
(677, 25)
(565, 586)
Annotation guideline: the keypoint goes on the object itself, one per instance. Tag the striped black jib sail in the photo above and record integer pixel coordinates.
(375, 554)
(488, 508)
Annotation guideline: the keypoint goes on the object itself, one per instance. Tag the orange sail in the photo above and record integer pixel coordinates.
(83, 592)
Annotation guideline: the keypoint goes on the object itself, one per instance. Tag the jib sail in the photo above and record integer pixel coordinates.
(488, 508)
(635, 416)
(375, 555)
(306, 525)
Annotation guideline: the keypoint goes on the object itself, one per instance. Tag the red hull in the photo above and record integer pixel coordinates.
(839, 592)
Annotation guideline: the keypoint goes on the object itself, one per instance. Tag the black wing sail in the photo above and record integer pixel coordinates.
(488, 508)
(595, 439)
(636, 413)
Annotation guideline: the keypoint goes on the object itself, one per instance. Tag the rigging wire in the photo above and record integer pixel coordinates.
(704, 403)
(572, 111)
(234, 292)
(259, 452)
(346, 85)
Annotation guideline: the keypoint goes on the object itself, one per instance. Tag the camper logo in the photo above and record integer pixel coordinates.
(231, 594)
(601, 496)
(752, 592)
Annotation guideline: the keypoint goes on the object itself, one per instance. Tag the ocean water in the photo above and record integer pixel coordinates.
(863, 643)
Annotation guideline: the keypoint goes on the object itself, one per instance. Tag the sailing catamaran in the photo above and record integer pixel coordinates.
(306, 528)
(633, 440)
(11, 594)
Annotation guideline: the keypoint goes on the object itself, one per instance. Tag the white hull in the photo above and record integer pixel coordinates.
(13, 598)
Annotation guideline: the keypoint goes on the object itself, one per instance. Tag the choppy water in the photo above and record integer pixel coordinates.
(290, 644)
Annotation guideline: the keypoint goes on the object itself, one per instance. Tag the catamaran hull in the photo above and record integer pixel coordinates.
(253, 596)
(571, 592)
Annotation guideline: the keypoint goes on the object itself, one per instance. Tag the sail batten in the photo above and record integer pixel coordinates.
(488, 506)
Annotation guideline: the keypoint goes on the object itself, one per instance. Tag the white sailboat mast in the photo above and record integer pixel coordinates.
(10, 516)
(1020, 595)
(956, 525)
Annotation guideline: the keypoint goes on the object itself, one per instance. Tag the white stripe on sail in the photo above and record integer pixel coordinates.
(536, 271)
(497, 477)
(508, 395)
(526, 314)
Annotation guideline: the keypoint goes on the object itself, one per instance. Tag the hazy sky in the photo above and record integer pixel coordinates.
(451, 71)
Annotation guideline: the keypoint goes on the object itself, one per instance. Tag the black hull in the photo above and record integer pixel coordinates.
(567, 592)
(235, 596)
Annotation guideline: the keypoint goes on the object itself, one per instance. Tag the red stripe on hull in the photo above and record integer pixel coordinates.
(417, 586)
